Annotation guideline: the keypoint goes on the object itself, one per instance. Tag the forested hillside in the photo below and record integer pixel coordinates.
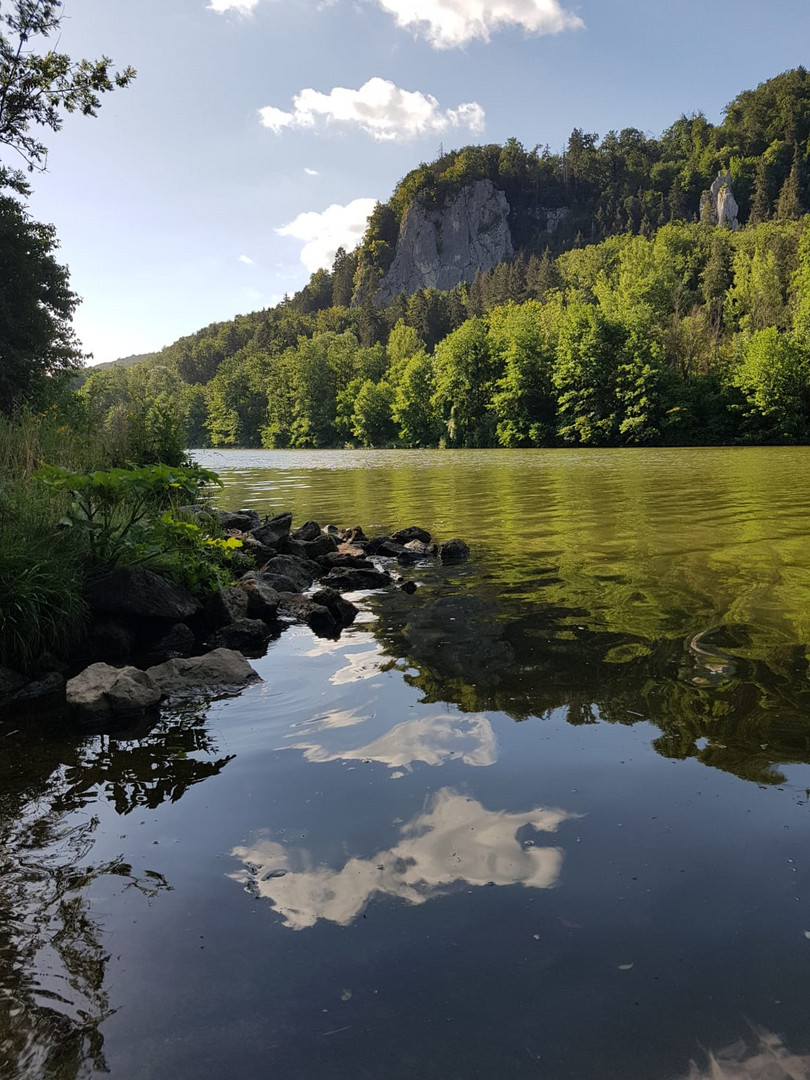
(638, 323)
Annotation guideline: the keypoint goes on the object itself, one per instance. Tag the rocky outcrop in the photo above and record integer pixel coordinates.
(441, 248)
(102, 692)
(222, 670)
(134, 590)
(718, 205)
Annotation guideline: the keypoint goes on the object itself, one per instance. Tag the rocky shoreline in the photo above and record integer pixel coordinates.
(149, 640)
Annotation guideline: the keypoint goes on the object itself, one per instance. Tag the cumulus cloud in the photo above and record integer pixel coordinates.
(241, 7)
(380, 108)
(312, 172)
(246, 259)
(448, 24)
(337, 226)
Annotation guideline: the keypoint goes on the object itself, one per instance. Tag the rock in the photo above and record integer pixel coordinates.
(343, 611)
(50, 686)
(179, 641)
(226, 606)
(358, 549)
(262, 597)
(324, 545)
(354, 535)
(101, 692)
(245, 635)
(387, 548)
(441, 248)
(350, 580)
(239, 521)
(338, 558)
(274, 530)
(310, 530)
(408, 558)
(408, 587)
(222, 670)
(134, 590)
(454, 551)
(299, 572)
(304, 609)
(333, 530)
(718, 205)
(10, 682)
(424, 550)
(413, 532)
(260, 553)
(288, 546)
(110, 639)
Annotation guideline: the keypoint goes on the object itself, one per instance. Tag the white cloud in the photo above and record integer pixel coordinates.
(241, 7)
(448, 24)
(381, 109)
(337, 226)
(246, 259)
(312, 172)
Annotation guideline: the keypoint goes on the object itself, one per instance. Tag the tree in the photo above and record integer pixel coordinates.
(465, 372)
(37, 88)
(774, 376)
(37, 343)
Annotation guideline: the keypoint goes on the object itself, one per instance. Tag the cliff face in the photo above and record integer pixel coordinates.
(441, 248)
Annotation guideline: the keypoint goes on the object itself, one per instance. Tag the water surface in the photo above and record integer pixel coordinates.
(547, 817)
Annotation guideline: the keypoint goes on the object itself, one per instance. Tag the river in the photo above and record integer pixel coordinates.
(547, 817)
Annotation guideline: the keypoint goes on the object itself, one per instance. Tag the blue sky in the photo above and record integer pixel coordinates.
(235, 163)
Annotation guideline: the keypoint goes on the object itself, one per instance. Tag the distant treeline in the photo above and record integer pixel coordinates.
(695, 335)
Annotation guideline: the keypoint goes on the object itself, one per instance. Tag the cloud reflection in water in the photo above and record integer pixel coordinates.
(455, 841)
(433, 740)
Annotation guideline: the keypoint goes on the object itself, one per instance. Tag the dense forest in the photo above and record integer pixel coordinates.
(638, 322)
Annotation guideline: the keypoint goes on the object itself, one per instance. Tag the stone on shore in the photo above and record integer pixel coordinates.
(262, 598)
(226, 606)
(305, 609)
(310, 530)
(222, 671)
(343, 611)
(413, 532)
(299, 573)
(243, 635)
(454, 551)
(274, 530)
(136, 591)
(350, 580)
(101, 692)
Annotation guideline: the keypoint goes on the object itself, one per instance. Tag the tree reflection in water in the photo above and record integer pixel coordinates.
(733, 696)
(52, 957)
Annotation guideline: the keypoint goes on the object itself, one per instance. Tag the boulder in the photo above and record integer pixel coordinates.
(222, 670)
(310, 530)
(10, 682)
(387, 548)
(50, 687)
(261, 596)
(288, 546)
(304, 609)
(239, 520)
(300, 572)
(134, 590)
(226, 606)
(413, 532)
(323, 545)
(357, 549)
(408, 587)
(244, 635)
(343, 611)
(454, 551)
(333, 559)
(101, 692)
(110, 640)
(423, 548)
(350, 580)
(274, 530)
(179, 641)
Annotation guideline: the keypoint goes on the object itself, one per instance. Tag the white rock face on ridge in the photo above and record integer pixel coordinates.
(719, 204)
(441, 248)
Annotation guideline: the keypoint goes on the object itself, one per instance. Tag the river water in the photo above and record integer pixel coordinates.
(547, 817)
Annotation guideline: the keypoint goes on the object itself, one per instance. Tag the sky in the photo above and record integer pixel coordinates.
(259, 133)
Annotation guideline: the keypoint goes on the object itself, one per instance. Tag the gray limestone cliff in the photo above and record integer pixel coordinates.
(441, 248)
(718, 205)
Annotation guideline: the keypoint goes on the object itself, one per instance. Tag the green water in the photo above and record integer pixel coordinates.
(548, 816)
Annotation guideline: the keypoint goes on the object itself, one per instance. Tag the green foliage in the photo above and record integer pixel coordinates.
(774, 376)
(466, 373)
(115, 510)
(38, 87)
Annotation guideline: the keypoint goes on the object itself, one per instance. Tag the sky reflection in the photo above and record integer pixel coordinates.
(455, 841)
